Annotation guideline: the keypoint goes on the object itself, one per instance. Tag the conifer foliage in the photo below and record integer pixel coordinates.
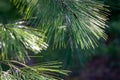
(30, 26)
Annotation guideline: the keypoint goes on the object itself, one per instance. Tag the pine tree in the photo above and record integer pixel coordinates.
(31, 26)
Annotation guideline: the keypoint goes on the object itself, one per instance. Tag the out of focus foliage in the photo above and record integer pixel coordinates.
(112, 45)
